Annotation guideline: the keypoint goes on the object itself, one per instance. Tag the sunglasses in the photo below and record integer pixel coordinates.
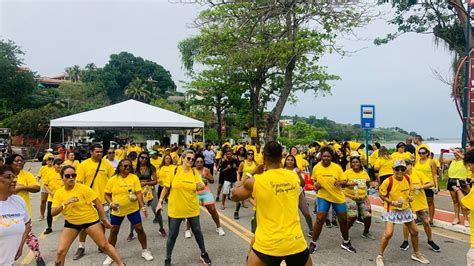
(400, 169)
(250, 153)
(50, 159)
(422, 153)
(189, 159)
(144, 158)
(70, 176)
(112, 152)
(127, 166)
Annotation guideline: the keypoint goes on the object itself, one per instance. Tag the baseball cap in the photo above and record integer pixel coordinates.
(49, 149)
(58, 161)
(153, 152)
(399, 163)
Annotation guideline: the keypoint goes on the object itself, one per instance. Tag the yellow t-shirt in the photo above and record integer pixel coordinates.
(425, 168)
(80, 212)
(134, 149)
(54, 182)
(156, 162)
(279, 230)
(398, 156)
(43, 172)
(419, 198)
(400, 189)
(258, 156)
(183, 201)
(85, 175)
(361, 178)
(354, 145)
(219, 155)
(326, 176)
(74, 164)
(385, 166)
(468, 202)
(247, 169)
(457, 169)
(417, 156)
(120, 154)
(164, 172)
(373, 157)
(120, 188)
(26, 178)
(46, 156)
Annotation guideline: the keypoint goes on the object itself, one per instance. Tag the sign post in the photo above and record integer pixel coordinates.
(367, 122)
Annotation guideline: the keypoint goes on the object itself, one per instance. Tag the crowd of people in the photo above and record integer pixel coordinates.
(130, 181)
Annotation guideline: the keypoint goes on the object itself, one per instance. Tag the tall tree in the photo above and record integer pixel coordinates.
(137, 90)
(74, 73)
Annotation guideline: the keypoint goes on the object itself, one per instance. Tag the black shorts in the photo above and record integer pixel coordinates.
(295, 259)
(221, 180)
(78, 227)
(210, 167)
(429, 193)
(463, 183)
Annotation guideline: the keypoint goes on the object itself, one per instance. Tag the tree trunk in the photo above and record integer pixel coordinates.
(273, 117)
(219, 124)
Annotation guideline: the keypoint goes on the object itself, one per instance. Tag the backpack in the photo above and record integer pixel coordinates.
(390, 184)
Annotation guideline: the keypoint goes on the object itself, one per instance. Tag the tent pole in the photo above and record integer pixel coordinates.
(62, 134)
(50, 129)
(203, 139)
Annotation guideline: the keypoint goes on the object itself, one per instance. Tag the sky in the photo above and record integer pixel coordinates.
(396, 77)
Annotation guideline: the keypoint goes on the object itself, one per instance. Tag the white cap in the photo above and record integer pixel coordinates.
(49, 149)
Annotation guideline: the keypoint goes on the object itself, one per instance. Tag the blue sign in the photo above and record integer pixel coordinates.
(367, 116)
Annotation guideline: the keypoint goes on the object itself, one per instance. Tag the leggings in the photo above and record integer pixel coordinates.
(33, 244)
(174, 224)
(303, 206)
(49, 216)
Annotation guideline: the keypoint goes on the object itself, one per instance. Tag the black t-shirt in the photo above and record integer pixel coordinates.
(410, 148)
(231, 173)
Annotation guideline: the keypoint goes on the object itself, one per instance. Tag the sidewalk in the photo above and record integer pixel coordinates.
(444, 214)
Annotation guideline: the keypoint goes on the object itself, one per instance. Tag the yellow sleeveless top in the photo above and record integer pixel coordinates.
(424, 168)
(276, 193)
(457, 169)
(247, 169)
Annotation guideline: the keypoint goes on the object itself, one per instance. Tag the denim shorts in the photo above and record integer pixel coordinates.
(324, 205)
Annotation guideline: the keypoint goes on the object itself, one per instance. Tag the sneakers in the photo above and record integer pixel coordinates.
(420, 258)
(130, 238)
(334, 223)
(48, 231)
(310, 233)
(368, 236)
(168, 262)
(359, 221)
(163, 233)
(455, 221)
(431, 224)
(347, 246)
(205, 259)
(108, 261)
(217, 199)
(379, 260)
(405, 245)
(79, 253)
(433, 246)
(236, 216)
(147, 255)
(312, 247)
(328, 224)
(188, 234)
(220, 231)
(466, 223)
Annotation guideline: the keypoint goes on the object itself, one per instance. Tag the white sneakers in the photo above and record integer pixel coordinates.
(455, 221)
(220, 231)
(379, 260)
(147, 255)
(108, 261)
(188, 234)
(466, 223)
(420, 258)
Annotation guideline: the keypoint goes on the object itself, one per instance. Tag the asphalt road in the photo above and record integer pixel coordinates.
(232, 248)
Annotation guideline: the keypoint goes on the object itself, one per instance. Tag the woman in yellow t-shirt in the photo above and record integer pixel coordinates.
(428, 168)
(419, 182)
(383, 165)
(458, 177)
(401, 153)
(52, 183)
(468, 202)
(76, 202)
(71, 160)
(124, 194)
(292, 165)
(183, 203)
(245, 167)
(357, 201)
(329, 182)
(395, 193)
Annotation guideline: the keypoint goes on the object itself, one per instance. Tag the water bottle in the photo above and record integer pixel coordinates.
(356, 191)
(400, 202)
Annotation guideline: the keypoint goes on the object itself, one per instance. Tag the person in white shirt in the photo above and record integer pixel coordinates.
(209, 158)
(111, 158)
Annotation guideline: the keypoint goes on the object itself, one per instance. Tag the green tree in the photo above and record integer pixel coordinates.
(17, 82)
(74, 73)
(137, 90)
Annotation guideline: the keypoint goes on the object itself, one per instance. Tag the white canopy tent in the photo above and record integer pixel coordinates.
(129, 114)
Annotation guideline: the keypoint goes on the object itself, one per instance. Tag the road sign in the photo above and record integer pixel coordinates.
(367, 116)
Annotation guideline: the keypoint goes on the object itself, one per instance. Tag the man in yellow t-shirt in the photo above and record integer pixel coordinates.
(276, 192)
(329, 182)
(85, 175)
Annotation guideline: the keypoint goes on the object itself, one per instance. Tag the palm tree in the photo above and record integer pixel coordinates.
(137, 90)
(74, 73)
